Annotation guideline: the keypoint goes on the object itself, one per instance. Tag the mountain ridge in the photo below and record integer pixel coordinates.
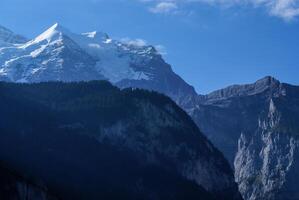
(143, 141)
(256, 127)
(267, 82)
(234, 118)
(125, 65)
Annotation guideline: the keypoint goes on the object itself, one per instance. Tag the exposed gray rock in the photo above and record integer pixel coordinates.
(256, 126)
(15, 187)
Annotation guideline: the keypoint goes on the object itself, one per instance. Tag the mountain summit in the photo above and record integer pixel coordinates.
(60, 55)
(266, 83)
(256, 127)
(55, 32)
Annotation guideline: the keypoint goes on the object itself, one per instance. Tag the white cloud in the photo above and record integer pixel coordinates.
(285, 9)
(134, 42)
(164, 7)
(161, 49)
(142, 43)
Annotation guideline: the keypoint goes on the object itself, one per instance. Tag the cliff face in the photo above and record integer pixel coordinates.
(14, 187)
(266, 164)
(256, 126)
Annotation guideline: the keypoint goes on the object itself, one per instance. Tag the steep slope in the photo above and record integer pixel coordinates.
(15, 187)
(8, 37)
(60, 55)
(50, 56)
(92, 140)
(256, 127)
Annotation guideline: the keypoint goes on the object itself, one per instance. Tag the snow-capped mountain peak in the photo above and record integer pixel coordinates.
(48, 35)
(61, 55)
(54, 33)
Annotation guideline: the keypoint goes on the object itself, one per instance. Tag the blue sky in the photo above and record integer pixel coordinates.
(210, 43)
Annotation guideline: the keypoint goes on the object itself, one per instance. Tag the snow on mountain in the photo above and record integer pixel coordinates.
(60, 55)
(50, 56)
(53, 49)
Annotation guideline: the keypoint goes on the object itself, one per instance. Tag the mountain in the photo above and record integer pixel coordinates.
(13, 186)
(60, 55)
(8, 37)
(236, 119)
(91, 140)
(256, 127)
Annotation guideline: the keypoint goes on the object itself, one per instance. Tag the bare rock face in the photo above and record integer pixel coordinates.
(256, 126)
(14, 187)
(266, 160)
